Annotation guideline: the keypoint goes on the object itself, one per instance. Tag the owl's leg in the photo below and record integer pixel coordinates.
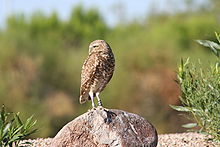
(99, 100)
(92, 98)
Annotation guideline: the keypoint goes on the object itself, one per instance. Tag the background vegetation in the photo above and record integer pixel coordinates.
(41, 58)
(200, 92)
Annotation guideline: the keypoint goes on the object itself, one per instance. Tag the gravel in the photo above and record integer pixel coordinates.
(185, 140)
(39, 142)
(165, 140)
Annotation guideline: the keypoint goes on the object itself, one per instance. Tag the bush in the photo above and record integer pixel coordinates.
(201, 92)
(12, 129)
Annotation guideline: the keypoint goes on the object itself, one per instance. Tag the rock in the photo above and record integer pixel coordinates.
(112, 128)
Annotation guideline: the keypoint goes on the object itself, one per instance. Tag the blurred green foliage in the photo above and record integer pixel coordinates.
(41, 59)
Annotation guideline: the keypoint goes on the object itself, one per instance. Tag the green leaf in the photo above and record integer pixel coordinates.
(187, 62)
(15, 138)
(210, 44)
(17, 119)
(3, 113)
(31, 132)
(17, 130)
(180, 108)
(29, 124)
(217, 36)
(32, 124)
(189, 125)
(6, 128)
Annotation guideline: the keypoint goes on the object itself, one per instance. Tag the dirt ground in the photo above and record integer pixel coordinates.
(165, 140)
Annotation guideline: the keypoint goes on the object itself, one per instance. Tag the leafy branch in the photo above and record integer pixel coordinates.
(12, 129)
(200, 92)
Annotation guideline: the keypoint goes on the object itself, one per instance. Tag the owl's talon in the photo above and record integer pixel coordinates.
(100, 108)
(92, 109)
(106, 110)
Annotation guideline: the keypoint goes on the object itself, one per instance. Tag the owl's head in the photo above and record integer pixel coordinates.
(98, 46)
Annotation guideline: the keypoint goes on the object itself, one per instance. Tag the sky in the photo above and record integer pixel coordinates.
(113, 11)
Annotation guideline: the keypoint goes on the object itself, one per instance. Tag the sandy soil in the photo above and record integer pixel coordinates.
(185, 140)
(165, 140)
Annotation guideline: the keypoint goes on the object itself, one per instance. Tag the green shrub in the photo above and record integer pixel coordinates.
(12, 129)
(201, 92)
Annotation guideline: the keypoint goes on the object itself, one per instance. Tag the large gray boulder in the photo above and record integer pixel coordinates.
(112, 128)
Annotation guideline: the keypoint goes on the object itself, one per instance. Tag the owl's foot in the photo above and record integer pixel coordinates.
(100, 108)
(91, 109)
(106, 110)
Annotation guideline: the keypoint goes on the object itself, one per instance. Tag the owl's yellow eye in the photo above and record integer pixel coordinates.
(95, 46)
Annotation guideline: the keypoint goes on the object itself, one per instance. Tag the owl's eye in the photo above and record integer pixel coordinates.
(94, 46)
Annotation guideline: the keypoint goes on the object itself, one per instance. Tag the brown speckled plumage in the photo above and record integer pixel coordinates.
(97, 70)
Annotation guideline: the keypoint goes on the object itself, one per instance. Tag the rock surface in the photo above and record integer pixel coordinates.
(100, 128)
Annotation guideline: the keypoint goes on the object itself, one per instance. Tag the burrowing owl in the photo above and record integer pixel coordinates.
(96, 72)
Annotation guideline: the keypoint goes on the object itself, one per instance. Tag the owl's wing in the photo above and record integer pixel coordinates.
(108, 70)
(87, 75)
